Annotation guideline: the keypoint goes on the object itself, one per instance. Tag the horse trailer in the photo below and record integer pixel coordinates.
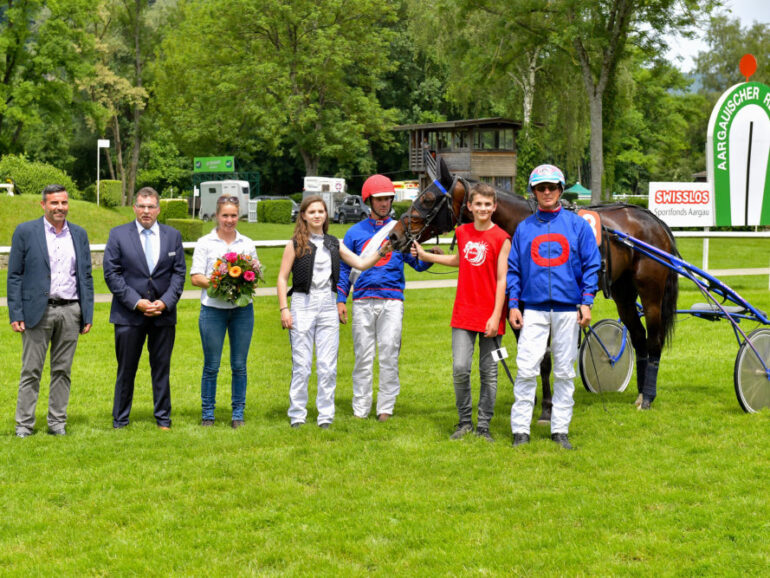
(210, 191)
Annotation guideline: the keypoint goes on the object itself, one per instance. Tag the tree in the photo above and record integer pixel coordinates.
(598, 33)
(728, 41)
(44, 50)
(261, 75)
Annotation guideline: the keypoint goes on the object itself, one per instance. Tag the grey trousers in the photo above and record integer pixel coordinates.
(59, 327)
(462, 356)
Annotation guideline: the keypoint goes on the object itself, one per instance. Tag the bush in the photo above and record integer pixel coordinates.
(110, 193)
(401, 207)
(571, 197)
(191, 229)
(296, 197)
(31, 177)
(172, 209)
(274, 212)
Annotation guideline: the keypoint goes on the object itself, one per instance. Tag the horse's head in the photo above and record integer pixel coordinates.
(434, 211)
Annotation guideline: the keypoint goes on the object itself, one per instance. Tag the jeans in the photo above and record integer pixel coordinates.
(213, 323)
(462, 356)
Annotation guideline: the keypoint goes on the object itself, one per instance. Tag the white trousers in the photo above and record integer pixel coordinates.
(563, 329)
(315, 321)
(376, 324)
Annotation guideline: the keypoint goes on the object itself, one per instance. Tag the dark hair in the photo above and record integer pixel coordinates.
(484, 190)
(147, 192)
(50, 189)
(301, 231)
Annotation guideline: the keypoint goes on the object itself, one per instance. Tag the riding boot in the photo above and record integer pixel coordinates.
(641, 372)
(651, 380)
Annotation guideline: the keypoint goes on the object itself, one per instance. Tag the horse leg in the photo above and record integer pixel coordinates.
(656, 303)
(545, 380)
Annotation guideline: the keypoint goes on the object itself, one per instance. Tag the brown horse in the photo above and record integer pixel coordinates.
(627, 274)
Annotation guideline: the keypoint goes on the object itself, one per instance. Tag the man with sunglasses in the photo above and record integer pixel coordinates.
(553, 276)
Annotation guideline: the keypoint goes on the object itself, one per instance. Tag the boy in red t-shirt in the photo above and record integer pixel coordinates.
(478, 309)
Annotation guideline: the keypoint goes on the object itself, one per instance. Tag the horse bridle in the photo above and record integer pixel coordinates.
(428, 216)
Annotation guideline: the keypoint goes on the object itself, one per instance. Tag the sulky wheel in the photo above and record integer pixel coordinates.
(606, 357)
(752, 384)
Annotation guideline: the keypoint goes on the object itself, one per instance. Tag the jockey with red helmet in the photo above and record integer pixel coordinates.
(378, 301)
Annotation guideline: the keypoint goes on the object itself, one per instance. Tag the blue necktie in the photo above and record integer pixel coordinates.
(148, 249)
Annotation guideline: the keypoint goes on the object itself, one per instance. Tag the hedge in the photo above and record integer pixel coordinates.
(110, 193)
(401, 207)
(191, 229)
(31, 177)
(172, 209)
(274, 212)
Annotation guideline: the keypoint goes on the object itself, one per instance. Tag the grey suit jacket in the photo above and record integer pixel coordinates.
(129, 279)
(29, 273)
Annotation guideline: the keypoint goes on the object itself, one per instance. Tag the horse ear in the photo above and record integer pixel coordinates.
(444, 176)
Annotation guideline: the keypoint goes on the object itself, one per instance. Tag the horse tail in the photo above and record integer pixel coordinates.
(668, 307)
(671, 290)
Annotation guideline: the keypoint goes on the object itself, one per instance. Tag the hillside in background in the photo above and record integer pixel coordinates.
(96, 220)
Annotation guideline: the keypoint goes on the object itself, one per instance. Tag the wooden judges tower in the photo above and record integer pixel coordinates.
(483, 148)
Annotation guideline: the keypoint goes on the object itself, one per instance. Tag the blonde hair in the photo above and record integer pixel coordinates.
(301, 236)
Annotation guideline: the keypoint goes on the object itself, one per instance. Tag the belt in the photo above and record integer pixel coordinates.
(61, 302)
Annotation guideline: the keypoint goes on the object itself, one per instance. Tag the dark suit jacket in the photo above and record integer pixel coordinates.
(29, 273)
(129, 280)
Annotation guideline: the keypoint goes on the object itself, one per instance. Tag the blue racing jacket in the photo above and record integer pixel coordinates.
(383, 281)
(554, 262)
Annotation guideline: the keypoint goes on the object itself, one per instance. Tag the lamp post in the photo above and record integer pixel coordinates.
(100, 144)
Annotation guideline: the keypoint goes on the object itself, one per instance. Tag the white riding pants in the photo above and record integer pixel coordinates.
(563, 329)
(315, 322)
(376, 323)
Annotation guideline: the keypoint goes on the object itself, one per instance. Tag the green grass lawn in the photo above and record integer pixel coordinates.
(678, 490)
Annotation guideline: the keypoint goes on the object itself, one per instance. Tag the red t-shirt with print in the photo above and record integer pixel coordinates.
(477, 278)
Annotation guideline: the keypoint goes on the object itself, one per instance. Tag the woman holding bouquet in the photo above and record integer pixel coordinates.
(225, 267)
(313, 258)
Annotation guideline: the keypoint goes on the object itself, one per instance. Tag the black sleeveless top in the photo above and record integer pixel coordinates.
(302, 269)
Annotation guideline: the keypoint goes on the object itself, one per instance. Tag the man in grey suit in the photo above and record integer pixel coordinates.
(50, 301)
(145, 270)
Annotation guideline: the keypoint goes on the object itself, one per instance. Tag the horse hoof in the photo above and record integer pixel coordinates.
(639, 400)
(543, 420)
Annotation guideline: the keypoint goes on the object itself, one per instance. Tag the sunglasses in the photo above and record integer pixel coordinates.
(546, 187)
(223, 200)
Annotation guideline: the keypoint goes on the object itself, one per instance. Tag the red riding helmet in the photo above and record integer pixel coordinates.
(377, 186)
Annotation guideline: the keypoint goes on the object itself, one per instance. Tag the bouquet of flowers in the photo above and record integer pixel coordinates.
(234, 278)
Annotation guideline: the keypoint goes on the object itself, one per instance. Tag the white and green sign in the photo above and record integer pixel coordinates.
(737, 153)
(214, 165)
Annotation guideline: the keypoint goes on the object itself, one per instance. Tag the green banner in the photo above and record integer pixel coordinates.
(214, 165)
(739, 140)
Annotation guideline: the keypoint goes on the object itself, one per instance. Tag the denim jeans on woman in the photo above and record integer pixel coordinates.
(213, 323)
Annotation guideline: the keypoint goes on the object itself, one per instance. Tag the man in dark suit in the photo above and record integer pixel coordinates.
(144, 268)
(50, 301)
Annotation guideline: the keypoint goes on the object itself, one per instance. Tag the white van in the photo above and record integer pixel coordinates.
(332, 190)
(210, 191)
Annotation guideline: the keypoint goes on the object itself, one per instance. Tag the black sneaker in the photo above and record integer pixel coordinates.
(237, 423)
(562, 440)
(207, 422)
(324, 425)
(461, 430)
(297, 424)
(483, 432)
(520, 439)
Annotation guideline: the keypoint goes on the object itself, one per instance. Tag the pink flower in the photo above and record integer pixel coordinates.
(223, 268)
(231, 257)
(248, 276)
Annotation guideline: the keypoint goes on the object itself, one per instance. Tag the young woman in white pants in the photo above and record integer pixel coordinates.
(313, 258)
